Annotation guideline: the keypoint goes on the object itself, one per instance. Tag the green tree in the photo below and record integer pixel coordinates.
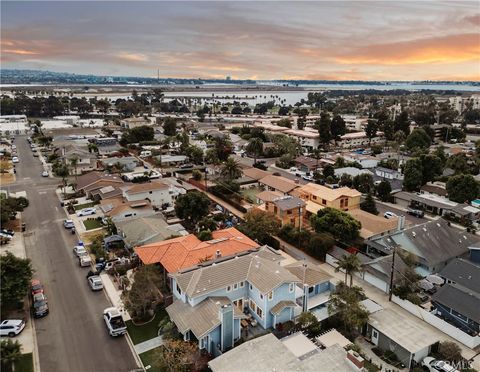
(169, 126)
(10, 206)
(260, 225)
(74, 163)
(418, 140)
(462, 188)
(196, 175)
(346, 180)
(192, 206)
(341, 225)
(383, 191)
(368, 205)
(308, 324)
(254, 147)
(324, 128)
(319, 245)
(406, 286)
(10, 353)
(287, 123)
(350, 264)
(432, 167)
(231, 169)
(338, 127)
(211, 157)
(364, 183)
(204, 235)
(458, 163)
(328, 171)
(371, 129)
(143, 133)
(179, 356)
(16, 274)
(402, 123)
(413, 174)
(449, 350)
(345, 304)
(195, 154)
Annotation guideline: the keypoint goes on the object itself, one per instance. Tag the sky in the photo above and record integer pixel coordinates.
(341, 40)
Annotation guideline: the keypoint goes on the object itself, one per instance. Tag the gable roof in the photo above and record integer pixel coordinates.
(372, 224)
(381, 267)
(326, 192)
(255, 173)
(464, 273)
(92, 177)
(264, 273)
(145, 187)
(308, 273)
(187, 251)
(464, 303)
(279, 183)
(268, 195)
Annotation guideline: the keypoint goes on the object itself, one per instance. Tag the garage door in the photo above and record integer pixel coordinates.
(373, 280)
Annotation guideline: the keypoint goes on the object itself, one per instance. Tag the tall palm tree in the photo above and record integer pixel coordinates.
(74, 164)
(351, 264)
(255, 147)
(231, 169)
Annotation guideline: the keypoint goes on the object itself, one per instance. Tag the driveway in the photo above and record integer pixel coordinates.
(73, 337)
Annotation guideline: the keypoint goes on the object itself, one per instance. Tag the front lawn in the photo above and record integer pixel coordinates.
(83, 206)
(147, 331)
(92, 224)
(148, 358)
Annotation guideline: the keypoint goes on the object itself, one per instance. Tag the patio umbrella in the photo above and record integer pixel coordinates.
(425, 284)
(435, 279)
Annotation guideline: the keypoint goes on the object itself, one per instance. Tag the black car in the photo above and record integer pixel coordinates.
(40, 305)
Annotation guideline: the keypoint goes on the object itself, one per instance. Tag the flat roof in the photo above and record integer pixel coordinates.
(298, 344)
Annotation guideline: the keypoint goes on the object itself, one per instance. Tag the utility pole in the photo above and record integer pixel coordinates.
(390, 291)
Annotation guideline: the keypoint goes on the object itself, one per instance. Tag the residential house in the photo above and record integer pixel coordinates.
(288, 209)
(146, 230)
(292, 353)
(373, 224)
(118, 209)
(458, 300)
(351, 171)
(314, 288)
(318, 197)
(378, 271)
(409, 339)
(254, 175)
(104, 193)
(388, 174)
(86, 161)
(97, 180)
(210, 298)
(171, 160)
(278, 183)
(366, 161)
(435, 188)
(130, 123)
(158, 194)
(267, 196)
(186, 251)
(126, 163)
(306, 164)
(434, 244)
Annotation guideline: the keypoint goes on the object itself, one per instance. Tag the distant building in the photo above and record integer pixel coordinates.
(359, 139)
(130, 123)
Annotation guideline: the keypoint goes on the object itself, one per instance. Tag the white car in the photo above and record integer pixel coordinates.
(86, 212)
(11, 327)
(45, 174)
(95, 283)
(435, 365)
(85, 260)
(79, 250)
(15, 159)
(389, 215)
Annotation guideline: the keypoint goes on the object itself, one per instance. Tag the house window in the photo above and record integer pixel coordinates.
(324, 202)
(178, 289)
(310, 289)
(314, 197)
(346, 203)
(235, 286)
(374, 334)
(229, 288)
(253, 305)
(270, 296)
(275, 209)
(291, 287)
(259, 312)
(292, 221)
(261, 296)
(204, 342)
(251, 287)
(289, 212)
(241, 284)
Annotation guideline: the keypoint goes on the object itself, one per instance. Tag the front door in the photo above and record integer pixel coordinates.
(375, 336)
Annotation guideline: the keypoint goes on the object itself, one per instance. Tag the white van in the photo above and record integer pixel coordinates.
(145, 154)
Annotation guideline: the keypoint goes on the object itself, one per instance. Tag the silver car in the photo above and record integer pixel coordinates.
(86, 212)
(95, 283)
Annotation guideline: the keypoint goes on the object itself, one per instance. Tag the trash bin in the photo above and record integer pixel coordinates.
(24, 227)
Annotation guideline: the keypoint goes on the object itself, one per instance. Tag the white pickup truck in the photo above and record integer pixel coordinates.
(114, 321)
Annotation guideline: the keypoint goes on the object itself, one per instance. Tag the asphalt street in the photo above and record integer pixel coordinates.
(73, 337)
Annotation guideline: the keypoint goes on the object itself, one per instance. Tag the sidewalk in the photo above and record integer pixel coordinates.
(148, 345)
(114, 295)
(27, 338)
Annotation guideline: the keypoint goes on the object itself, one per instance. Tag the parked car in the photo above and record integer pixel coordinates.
(416, 212)
(185, 166)
(79, 250)
(8, 232)
(11, 327)
(40, 305)
(15, 159)
(68, 224)
(86, 212)
(5, 237)
(114, 322)
(35, 155)
(95, 283)
(389, 215)
(45, 173)
(434, 365)
(85, 260)
(307, 178)
(36, 287)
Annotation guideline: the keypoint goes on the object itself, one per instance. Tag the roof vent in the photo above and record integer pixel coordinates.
(438, 225)
(414, 234)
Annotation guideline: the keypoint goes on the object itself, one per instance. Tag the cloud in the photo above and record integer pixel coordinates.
(132, 57)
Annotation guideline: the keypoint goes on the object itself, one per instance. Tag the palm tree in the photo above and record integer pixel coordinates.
(350, 264)
(231, 169)
(255, 147)
(11, 353)
(73, 164)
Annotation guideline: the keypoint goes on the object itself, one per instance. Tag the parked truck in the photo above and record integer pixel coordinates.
(114, 321)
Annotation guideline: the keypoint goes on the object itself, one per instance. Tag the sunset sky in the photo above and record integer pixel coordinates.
(342, 40)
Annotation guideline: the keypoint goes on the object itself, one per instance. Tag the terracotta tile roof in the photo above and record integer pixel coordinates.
(279, 183)
(145, 187)
(186, 251)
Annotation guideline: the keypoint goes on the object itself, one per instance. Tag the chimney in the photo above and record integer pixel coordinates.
(218, 254)
(356, 359)
(401, 223)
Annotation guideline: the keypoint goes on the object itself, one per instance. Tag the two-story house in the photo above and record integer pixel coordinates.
(277, 183)
(318, 197)
(288, 209)
(212, 298)
(158, 193)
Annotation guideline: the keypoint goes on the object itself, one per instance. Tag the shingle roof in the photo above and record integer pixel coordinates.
(93, 177)
(289, 202)
(145, 187)
(277, 309)
(255, 173)
(187, 251)
(463, 272)
(326, 192)
(264, 273)
(279, 183)
(308, 273)
(372, 224)
(465, 303)
(268, 195)
(199, 319)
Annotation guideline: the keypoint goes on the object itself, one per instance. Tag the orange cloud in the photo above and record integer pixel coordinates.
(446, 49)
(132, 57)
